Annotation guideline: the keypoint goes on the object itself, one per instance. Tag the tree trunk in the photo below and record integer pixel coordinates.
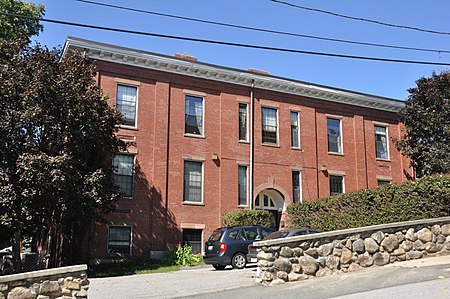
(16, 245)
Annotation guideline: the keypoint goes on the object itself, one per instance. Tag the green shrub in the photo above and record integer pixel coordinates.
(421, 199)
(246, 217)
(185, 257)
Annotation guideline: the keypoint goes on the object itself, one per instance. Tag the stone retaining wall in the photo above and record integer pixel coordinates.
(61, 283)
(303, 257)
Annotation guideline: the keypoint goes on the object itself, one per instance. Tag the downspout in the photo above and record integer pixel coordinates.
(252, 127)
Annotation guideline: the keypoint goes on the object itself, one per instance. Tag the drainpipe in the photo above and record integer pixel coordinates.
(252, 127)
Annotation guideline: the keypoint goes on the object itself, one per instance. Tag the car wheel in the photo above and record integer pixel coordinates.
(219, 267)
(238, 261)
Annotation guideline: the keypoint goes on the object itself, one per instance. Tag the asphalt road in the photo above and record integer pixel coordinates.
(426, 278)
(183, 283)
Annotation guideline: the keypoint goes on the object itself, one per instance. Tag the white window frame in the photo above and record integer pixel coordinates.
(341, 135)
(131, 238)
(136, 103)
(246, 121)
(277, 128)
(298, 129)
(202, 189)
(300, 200)
(247, 186)
(387, 141)
(132, 175)
(202, 133)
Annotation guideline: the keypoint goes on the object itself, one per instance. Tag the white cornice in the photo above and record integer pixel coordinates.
(116, 54)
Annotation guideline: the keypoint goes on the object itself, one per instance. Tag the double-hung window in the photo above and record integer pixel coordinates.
(119, 240)
(269, 125)
(381, 142)
(295, 130)
(193, 118)
(296, 187)
(334, 135)
(123, 166)
(336, 184)
(243, 122)
(126, 99)
(242, 183)
(193, 181)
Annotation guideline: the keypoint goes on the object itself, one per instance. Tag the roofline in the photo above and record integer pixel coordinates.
(165, 63)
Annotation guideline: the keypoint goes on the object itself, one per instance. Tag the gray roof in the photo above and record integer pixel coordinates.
(165, 63)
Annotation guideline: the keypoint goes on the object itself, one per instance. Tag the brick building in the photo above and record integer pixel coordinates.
(207, 139)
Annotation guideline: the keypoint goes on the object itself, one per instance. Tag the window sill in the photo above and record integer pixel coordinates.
(244, 141)
(336, 154)
(125, 127)
(384, 160)
(296, 149)
(193, 203)
(270, 144)
(194, 136)
(242, 206)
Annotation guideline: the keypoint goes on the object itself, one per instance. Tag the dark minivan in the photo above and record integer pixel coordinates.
(229, 245)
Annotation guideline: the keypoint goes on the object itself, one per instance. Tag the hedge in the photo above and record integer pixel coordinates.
(425, 198)
(246, 217)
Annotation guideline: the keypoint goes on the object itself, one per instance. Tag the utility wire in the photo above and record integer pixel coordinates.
(216, 42)
(262, 29)
(360, 19)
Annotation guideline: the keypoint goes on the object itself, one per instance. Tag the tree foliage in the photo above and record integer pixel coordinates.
(58, 138)
(426, 117)
(12, 28)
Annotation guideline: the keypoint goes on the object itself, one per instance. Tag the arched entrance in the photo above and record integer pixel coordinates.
(271, 200)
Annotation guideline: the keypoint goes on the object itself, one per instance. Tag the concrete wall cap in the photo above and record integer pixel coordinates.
(42, 273)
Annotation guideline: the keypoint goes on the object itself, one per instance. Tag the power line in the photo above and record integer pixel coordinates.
(360, 19)
(216, 42)
(262, 29)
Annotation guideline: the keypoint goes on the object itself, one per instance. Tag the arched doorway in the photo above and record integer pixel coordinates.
(273, 201)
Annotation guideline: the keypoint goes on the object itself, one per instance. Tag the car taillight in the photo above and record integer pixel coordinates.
(223, 247)
(250, 247)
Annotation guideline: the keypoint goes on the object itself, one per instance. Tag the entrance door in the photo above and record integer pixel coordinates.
(272, 201)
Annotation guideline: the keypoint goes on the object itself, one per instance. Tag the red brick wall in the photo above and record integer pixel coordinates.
(158, 213)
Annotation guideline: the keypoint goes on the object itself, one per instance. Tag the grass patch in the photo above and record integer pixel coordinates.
(135, 266)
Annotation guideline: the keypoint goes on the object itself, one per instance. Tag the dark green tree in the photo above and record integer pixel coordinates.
(12, 28)
(57, 140)
(426, 117)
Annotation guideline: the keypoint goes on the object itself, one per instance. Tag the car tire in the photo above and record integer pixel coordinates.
(219, 267)
(239, 261)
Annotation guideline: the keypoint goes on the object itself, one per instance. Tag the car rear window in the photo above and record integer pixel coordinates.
(215, 236)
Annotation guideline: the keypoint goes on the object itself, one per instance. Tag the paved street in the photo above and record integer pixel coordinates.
(184, 283)
(426, 278)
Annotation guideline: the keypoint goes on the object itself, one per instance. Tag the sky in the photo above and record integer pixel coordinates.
(385, 79)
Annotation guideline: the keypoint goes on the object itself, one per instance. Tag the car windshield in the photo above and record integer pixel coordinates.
(215, 236)
(278, 234)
